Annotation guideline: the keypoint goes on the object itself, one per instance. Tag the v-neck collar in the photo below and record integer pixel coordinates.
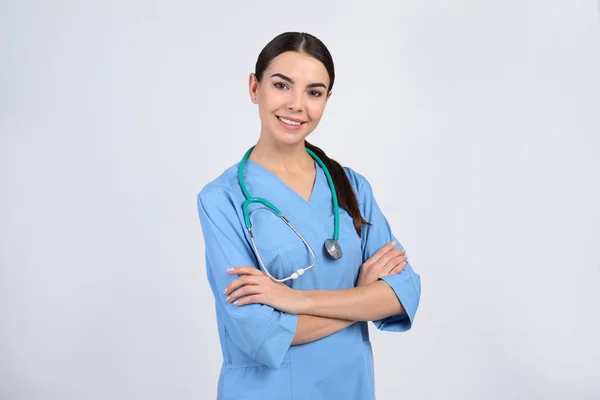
(319, 205)
(315, 186)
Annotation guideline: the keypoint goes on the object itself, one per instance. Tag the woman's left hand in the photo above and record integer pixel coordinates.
(254, 286)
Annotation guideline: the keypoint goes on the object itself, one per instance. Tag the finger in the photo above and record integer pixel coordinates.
(254, 299)
(391, 254)
(386, 258)
(241, 281)
(244, 271)
(379, 253)
(397, 269)
(395, 262)
(243, 291)
(396, 266)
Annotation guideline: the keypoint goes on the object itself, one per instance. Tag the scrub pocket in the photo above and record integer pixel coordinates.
(256, 382)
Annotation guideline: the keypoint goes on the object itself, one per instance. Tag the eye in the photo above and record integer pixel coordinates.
(280, 85)
(315, 93)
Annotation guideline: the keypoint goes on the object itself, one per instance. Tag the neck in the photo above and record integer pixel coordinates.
(281, 157)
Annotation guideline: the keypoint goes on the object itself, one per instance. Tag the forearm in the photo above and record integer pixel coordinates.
(367, 303)
(311, 328)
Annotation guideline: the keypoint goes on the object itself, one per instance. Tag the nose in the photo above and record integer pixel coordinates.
(294, 102)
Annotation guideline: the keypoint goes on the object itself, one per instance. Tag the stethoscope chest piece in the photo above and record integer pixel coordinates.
(333, 248)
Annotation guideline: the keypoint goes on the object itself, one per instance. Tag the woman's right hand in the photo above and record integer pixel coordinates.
(388, 260)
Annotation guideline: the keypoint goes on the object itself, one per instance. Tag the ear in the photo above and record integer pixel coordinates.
(252, 88)
(328, 95)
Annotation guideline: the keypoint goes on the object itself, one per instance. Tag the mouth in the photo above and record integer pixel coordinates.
(291, 123)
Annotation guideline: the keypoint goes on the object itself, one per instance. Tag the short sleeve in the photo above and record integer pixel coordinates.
(260, 331)
(406, 284)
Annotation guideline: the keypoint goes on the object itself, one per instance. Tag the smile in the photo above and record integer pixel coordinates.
(290, 123)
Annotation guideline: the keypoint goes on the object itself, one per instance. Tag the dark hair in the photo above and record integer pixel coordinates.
(309, 44)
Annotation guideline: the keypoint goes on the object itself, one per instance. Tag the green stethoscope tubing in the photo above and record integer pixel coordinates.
(250, 199)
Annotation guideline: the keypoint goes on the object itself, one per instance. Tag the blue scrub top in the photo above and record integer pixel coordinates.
(259, 361)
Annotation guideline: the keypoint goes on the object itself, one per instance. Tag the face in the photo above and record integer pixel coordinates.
(291, 97)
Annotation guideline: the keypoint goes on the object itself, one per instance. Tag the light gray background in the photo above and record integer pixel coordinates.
(477, 123)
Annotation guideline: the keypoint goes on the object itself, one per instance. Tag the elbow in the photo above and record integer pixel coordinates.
(274, 346)
(396, 307)
(270, 360)
(257, 334)
(407, 290)
(391, 305)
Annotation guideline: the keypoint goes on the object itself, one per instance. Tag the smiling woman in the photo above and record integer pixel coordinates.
(286, 210)
(294, 100)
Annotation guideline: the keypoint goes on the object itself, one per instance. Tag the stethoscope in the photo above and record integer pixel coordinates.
(331, 245)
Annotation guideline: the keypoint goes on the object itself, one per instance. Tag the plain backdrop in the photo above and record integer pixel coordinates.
(476, 122)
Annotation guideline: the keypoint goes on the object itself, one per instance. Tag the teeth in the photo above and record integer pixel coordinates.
(287, 121)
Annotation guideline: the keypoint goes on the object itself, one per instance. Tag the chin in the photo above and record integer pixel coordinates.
(288, 137)
(290, 140)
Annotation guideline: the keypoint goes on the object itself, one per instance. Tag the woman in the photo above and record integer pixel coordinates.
(292, 307)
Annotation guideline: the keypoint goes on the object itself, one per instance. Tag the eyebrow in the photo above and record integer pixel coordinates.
(290, 80)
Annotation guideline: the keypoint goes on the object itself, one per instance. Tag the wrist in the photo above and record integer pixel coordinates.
(306, 301)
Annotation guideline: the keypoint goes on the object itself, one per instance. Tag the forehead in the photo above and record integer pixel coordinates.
(301, 67)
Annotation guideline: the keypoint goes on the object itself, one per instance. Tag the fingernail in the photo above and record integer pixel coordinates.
(229, 269)
(228, 298)
(236, 302)
(394, 243)
(225, 291)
